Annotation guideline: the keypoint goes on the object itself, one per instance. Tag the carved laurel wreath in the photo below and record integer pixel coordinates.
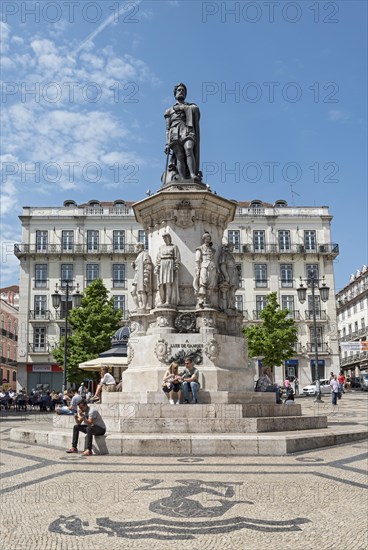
(185, 322)
(212, 349)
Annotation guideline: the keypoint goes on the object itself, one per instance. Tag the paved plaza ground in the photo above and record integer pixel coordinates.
(316, 499)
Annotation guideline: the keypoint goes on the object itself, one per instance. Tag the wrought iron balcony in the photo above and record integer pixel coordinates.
(321, 315)
(40, 315)
(39, 348)
(294, 314)
(329, 249)
(22, 249)
(322, 347)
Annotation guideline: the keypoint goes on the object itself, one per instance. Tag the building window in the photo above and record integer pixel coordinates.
(64, 304)
(14, 376)
(118, 275)
(355, 309)
(344, 331)
(16, 328)
(312, 271)
(361, 304)
(260, 275)
(240, 275)
(118, 240)
(287, 302)
(356, 326)
(67, 241)
(142, 238)
(41, 275)
(39, 339)
(261, 302)
(286, 275)
(319, 338)
(239, 302)
(3, 323)
(41, 241)
(40, 305)
(120, 303)
(92, 272)
(62, 331)
(310, 241)
(362, 322)
(66, 273)
(284, 241)
(350, 328)
(92, 240)
(259, 241)
(9, 325)
(317, 306)
(234, 238)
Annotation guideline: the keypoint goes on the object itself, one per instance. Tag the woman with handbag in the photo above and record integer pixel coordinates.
(171, 383)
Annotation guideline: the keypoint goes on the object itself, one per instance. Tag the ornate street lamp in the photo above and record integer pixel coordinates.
(324, 291)
(76, 302)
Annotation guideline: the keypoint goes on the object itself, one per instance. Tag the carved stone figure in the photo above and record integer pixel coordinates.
(142, 283)
(205, 279)
(229, 277)
(167, 270)
(182, 138)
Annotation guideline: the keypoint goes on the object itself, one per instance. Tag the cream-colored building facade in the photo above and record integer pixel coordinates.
(274, 245)
(352, 318)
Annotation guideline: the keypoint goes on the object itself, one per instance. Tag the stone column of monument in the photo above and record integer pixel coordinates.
(191, 311)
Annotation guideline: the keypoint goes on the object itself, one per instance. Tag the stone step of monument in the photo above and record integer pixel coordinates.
(265, 444)
(204, 397)
(213, 410)
(112, 413)
(202, 425)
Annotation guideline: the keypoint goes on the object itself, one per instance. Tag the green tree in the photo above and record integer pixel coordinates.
(93, 325)
(274, 338)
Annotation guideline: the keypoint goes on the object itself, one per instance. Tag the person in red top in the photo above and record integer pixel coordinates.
(341, 381)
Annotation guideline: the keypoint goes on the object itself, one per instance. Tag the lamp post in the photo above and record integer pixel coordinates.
(76, 302)
(302, 295)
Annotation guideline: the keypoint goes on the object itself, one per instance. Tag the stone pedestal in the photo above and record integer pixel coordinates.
(166, 333)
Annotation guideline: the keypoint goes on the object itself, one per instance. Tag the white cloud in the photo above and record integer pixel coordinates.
(338, 114)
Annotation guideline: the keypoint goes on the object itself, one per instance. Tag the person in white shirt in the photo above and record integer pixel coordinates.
(334, 389)
(107, 383)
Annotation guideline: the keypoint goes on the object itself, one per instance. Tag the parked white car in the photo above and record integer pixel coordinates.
(312, 388)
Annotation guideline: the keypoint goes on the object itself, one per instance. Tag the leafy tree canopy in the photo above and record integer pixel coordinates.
(93, 325)
(273, 339)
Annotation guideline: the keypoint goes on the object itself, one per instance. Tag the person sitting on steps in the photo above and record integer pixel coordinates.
(107, 383)
(171, 383)
(190, 381)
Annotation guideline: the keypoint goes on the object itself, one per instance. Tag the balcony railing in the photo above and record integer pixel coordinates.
(119, 283)
(297, 347)
(40, 315)
(8, 362)
(294, 314)
(321, 315)
(355, 358)
(329, 249)
(22, 249)
(322, 347)
(39, 348)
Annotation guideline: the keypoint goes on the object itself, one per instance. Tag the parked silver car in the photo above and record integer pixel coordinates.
(364, 381)
(324, 384)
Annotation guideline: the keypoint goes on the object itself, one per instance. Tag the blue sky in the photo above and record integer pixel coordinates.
(281, 87)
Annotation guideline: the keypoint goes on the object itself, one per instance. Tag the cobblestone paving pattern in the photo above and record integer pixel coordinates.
(316, 499)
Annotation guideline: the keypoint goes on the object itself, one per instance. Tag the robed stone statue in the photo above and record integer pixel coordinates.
(182, 139)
